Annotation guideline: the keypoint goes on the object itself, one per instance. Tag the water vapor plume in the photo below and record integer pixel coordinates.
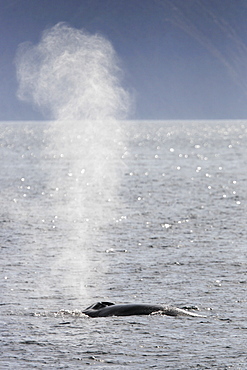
(74, 78)
(71, 74)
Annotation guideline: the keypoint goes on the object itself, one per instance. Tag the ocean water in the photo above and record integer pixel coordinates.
(141, 211)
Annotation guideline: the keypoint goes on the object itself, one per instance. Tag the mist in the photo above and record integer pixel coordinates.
(71, 74)
(74, 78)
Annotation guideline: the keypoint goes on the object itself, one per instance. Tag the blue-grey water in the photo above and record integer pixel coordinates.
(148, 212)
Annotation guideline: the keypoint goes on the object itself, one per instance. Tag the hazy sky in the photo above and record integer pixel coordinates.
(182, 59)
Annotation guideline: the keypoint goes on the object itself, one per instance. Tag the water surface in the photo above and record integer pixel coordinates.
(149, 212)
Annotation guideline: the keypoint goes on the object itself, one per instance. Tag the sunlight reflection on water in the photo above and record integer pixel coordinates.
(167, 236)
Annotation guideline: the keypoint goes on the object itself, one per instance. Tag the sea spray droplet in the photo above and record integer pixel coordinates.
(71, 74)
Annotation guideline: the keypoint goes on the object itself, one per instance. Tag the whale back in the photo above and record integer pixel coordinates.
(104, 309)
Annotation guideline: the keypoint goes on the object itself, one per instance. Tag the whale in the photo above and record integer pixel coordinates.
(105, 309)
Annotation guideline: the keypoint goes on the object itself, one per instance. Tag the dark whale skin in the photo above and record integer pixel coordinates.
(104, 309)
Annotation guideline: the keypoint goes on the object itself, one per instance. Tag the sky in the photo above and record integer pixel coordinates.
(181, 59)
